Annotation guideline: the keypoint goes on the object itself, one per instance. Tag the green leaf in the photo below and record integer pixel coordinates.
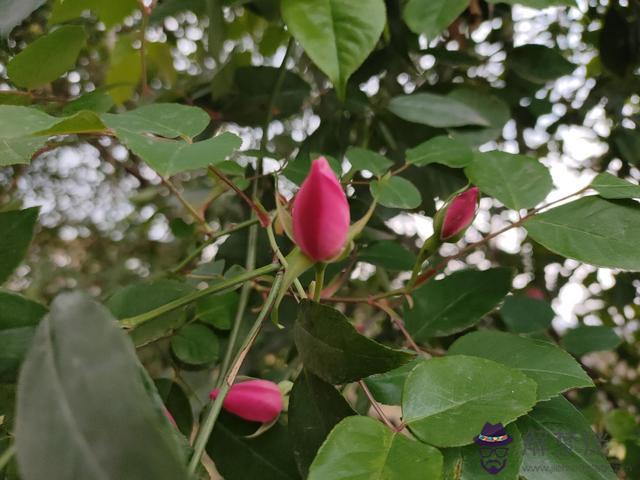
(537, 3)
(84, 121)
(363, 159)
(489, 106)
(168, 120)
(465, 463)
(17, 231)
(110, 13)
(523, 314)
(627, 144)
(622, 425)
(443, 150)
(237, 457)
(388, 254)
(336, 34)
(315, 407)
(361, 447)
(435, 111)
(218, 310)
(395, 192)
(455, 303)
(332, 349)
(612, 187)
(168, 157)
(98, 101)
(387, 387)
(17, 121)
(81, 379)
(553, 369)
(15, 151)
(14, 12)
(539, 64)
(195, 344)
(18, 318)
(47, 58)
(124, 70)
(177, 402)
(561, 445)
(592, 230)
(431, 17)
(586, 339)
(446, 401)
(517, 181)
(139, 298)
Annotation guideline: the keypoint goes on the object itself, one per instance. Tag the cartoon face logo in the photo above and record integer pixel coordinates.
(493, 442)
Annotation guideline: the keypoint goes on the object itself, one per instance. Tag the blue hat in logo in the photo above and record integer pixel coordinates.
(493, 435)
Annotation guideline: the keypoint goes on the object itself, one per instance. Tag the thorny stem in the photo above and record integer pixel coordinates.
(212, 415)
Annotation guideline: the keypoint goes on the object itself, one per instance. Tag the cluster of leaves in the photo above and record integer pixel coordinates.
(408, 106)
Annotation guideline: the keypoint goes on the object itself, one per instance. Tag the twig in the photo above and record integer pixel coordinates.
(192, 211)
(377, 407)
(399, 322)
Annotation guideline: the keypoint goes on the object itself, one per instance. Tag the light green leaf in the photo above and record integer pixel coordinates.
(110, 13)
(447, 400)
(395, 192)
(218, 310)
(363, 159)
(124, 70)
(592, 230)
(455, 303)
(195, 344)
(361, 447)
(17, 231)
(14, 12)
(168, 120)
(443, 150)
(612, 187)
(431, 17)
(523, 314)
(168, 157)
(81, 122)
(17, 121)
(435, 111)
(81, 379)
(553, 369)
(489, 106)
(517, 181)
(586, 339)
(388, 254)
(338, 35)
(14, 151)
(47, 58)
(539, 64)
(563, 446)
(332, 349)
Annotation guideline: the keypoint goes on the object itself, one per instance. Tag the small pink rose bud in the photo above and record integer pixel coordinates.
(535, 293)
(254, 400)
(320, 213)
(459, 214)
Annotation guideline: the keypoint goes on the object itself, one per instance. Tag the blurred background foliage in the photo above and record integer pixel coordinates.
(110, 226)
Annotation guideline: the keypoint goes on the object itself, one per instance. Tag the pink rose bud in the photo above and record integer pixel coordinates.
(320, 213)
(459, 214)
(535, 293)
(254, 400)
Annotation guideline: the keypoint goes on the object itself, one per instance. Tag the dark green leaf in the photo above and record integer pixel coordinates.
(435, 111)
(523, 314)
(553, 369)
(387, 387)
(361, 447)
(217, 310)
(443, 150)
(47, 58)
(539, 64)
(195, 344)
(315, 407)
(237, 457)
(517, 181)
(446, 401)
(388, 254)
(455, 303)
(395, 192)
(332, 349)
(560, 445)
(431, 17)
(17, 231)
(336, 34)
(363, 159)
(586, 339)
(488, 106)
(80, 398)
(592, 230)
(98, 101)
(612, 187)
(177, 402)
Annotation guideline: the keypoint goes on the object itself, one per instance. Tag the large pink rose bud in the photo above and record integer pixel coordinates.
(459, 214)
(254, 400)
(320, 213)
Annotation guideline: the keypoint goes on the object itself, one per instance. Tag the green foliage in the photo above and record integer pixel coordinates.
(395, 192)
(523, 314)
(585, 339)
(17, 231)
(444, 150)
(436, 110)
